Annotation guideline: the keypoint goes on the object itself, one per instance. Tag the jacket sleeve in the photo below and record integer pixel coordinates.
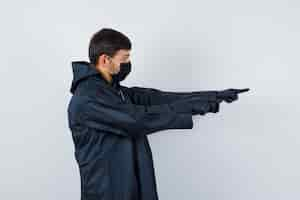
(152, 96)
(132, 120)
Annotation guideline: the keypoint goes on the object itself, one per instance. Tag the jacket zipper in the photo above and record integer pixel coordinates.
(122, 95)
(119, 92)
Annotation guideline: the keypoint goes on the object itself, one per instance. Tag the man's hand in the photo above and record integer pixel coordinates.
(195, 105)
(230, 95)
(214, 107)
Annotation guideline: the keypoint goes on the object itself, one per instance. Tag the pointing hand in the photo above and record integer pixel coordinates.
(230, 95)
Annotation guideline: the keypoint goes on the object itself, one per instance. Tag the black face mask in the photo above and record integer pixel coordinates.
(125, 69)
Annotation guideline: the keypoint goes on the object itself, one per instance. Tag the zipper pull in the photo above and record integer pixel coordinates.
(121, 93)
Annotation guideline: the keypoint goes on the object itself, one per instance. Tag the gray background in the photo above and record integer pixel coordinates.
(249, 150)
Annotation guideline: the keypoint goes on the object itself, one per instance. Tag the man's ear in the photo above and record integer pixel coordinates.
(101, 60)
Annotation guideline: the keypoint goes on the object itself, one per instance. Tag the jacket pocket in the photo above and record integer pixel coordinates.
(95, 179)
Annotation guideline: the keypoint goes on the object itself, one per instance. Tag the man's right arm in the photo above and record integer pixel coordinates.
(153, 96)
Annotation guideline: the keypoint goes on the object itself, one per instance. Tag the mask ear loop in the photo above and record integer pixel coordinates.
(110, 59)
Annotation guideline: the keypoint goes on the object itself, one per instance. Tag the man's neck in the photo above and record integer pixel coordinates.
(106, 75)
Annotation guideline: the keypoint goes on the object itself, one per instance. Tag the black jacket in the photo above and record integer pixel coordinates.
(109, 126)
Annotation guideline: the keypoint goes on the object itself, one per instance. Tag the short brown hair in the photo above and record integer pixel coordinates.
(107, 41)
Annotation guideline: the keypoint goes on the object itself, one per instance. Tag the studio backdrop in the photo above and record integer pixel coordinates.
(249, 150)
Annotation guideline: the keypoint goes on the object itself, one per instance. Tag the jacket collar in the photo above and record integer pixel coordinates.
(82, 70)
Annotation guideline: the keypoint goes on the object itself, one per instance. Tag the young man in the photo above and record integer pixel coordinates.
(110, 122)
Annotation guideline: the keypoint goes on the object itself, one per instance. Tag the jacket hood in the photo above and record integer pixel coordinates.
(81, 71)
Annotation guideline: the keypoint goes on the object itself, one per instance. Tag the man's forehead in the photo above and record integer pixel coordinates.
(123, 52)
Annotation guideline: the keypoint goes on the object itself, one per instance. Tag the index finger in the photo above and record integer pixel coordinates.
(243, 90)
